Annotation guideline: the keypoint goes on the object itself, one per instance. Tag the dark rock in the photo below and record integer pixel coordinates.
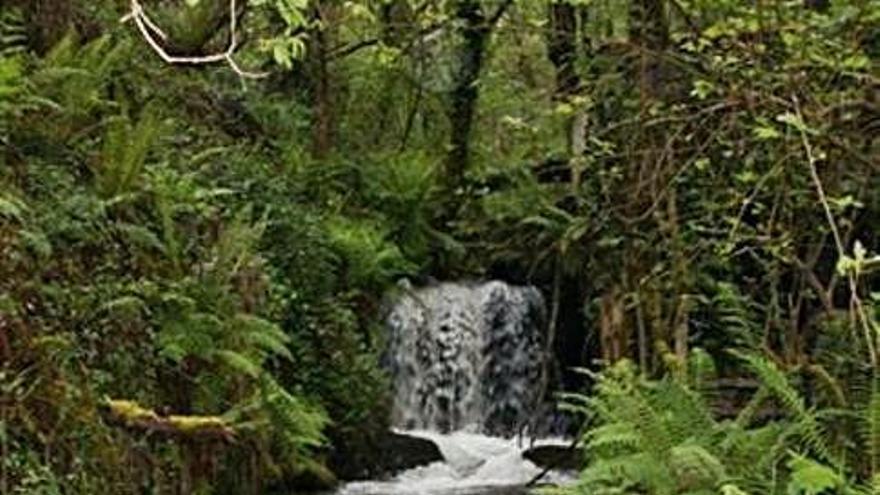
(393, 453)
(308, 476)
(400, 452)
(561, 457)
(311, 478)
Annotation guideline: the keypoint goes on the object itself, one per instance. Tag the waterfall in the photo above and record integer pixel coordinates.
(466, 356)
(466, 361)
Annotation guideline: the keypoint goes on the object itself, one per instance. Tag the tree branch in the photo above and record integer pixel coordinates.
(499, 13)
(346, 50)
(150, 31)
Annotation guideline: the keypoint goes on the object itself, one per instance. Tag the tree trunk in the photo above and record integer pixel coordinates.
(613, 339)
(649, 30)
(463, 98)
(322, 86)
(561, 48)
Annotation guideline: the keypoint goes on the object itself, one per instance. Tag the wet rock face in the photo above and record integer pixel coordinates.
(400, 452)
(394, 452)
(559, 457)
(466, 356)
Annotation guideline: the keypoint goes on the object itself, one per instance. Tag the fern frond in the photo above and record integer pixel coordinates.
(809, 477)
(695, 468)
(238, 362)
(870, 430)
(630, 470)
(126, 145)
(691, 417)
(263, 334)
(747, 414)
(612, 437)
(13, 33)
(777, 383)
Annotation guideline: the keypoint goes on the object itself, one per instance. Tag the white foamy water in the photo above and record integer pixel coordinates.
(474, 464)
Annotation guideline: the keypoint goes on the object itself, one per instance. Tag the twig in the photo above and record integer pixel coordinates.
(550, 467)
(150, 30)
(857, 310)
(499, 13)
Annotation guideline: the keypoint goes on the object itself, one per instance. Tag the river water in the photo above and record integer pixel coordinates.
(474, 464)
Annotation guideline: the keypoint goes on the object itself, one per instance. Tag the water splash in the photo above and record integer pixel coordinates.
(474, 464)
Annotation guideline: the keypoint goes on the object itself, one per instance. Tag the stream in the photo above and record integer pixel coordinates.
(474, 464)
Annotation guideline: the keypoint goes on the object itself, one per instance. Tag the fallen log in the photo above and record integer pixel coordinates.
(131, 415)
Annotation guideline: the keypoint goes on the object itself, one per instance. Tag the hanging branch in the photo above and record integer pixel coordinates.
(150, 31)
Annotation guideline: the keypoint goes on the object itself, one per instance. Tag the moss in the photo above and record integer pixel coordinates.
(132, 414)
(130, 411)
(196, 423)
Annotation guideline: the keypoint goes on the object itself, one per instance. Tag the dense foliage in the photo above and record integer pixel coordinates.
(193, 256)
(661, 436)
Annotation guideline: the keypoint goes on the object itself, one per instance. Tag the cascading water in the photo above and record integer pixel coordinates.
(467, 366)
(466, 357)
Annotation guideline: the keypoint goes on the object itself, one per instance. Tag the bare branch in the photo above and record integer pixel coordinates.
(150, 31)
(857, 310)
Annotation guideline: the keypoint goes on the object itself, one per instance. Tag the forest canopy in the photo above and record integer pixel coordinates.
(204, 205)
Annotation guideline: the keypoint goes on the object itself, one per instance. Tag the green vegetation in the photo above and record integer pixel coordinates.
(194, 251)
(660, 436)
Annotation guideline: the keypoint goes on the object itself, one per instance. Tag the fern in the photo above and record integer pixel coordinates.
(657, 435)
(870, 430)
(262, 334)
(806, 429)
(403, 189)
(613, 437)
(12, 208)
(126, 145)
(808, 477)
(776, 382)
(13, 34)
(738, 315)
(72, 78)
(695, 468)
(12, 80)
(368, 259)
(295, 426)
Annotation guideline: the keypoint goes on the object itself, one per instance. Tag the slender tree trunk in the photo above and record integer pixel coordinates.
(649, 30)
(562, 50)
(475, 28)
(561, 47)
(613, 338)
(322, 84)
(474, 31)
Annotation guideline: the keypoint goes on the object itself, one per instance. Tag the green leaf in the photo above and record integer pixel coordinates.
(796, 122)
(809, 477)
(766, 132)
